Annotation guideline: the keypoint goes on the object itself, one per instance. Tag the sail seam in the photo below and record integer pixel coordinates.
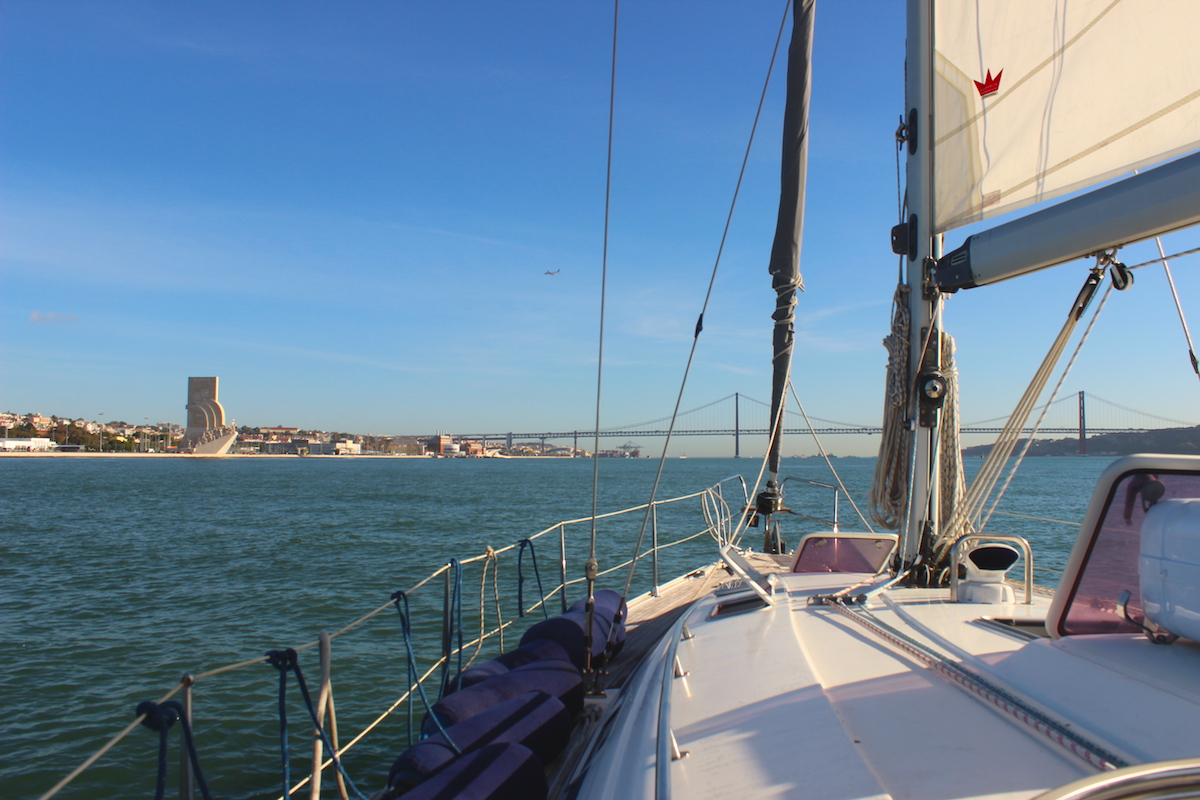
(1178, 104)
(1029, 75)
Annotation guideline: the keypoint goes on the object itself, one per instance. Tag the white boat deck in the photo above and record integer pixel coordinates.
(801, 701)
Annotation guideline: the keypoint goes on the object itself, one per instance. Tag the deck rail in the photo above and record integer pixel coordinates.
(717, 521)
(1159, 780)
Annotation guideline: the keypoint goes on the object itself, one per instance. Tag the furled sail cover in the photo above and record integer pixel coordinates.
(1037, 98)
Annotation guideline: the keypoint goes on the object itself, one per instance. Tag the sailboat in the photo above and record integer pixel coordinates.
(918, 663)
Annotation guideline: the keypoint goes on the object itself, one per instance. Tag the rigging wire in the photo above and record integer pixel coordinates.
(1178, 306)
(1037, 425)
(966, 516)
(1163, 259)
(707, 296)
(1162, 256)
(591, 567)
(824, 455)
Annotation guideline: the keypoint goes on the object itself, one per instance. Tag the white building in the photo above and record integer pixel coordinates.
(26, 445)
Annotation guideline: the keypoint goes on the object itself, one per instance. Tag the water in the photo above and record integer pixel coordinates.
(119, 575)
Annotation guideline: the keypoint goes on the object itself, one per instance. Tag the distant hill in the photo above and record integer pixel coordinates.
(1181, 441)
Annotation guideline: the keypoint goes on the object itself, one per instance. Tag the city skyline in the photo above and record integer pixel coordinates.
(389, 218)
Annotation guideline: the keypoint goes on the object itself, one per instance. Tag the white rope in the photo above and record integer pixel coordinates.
(950, 463)
(888, 499)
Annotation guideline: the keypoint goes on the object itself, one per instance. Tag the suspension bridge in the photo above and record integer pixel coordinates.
(737, 415)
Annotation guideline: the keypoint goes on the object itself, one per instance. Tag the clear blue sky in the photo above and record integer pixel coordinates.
(346, 212)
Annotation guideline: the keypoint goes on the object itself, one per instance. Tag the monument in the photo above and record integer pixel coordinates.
(206, 434)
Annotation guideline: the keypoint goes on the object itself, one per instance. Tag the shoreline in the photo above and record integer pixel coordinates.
(51, 454)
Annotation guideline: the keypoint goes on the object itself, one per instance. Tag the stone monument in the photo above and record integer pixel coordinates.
(207, 433)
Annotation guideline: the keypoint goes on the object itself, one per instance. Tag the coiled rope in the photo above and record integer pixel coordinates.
(889, 488)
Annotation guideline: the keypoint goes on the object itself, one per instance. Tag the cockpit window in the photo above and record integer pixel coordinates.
(1110, 564)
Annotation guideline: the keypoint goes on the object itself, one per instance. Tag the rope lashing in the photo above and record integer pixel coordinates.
(160, 717)
(451, 622)
(490, 560)
(521, 579)
(493, 558)
(413, 677)
(286, 661)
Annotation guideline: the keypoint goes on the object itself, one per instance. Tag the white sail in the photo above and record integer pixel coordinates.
(1038, 98)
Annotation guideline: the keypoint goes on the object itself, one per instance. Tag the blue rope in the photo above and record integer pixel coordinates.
(287, 661)
(160, 717)
(406, 627)
(521, 579)
(454, 625)
(279, 660)
(158, 720)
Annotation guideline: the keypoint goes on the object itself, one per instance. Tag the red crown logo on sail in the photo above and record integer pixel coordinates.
(990, 85)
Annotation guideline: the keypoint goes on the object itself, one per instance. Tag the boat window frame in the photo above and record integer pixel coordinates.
(1103, 499)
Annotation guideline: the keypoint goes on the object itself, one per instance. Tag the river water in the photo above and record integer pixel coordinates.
(118, 575)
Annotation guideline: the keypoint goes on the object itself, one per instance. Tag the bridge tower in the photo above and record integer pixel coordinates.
(737, 427)
(1082, 427)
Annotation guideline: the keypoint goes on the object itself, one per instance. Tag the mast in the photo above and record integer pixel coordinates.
(922, 519)
(784, 266)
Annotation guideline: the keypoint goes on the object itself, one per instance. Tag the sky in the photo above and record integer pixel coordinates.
(347, 211)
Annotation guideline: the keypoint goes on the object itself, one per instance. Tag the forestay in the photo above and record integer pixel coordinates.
(1034, 103)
